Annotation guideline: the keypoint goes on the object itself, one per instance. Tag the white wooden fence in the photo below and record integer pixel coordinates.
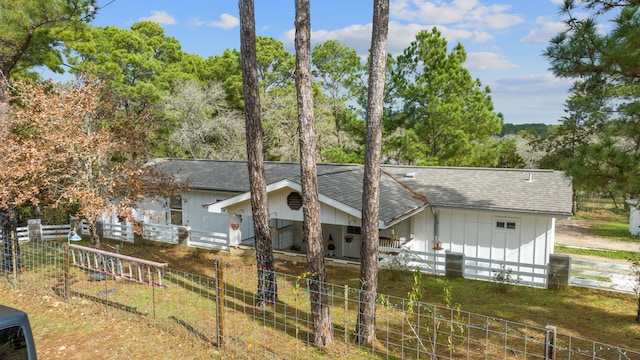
(48, 232)
(169, 234)
(120, 232)
(598, 275)
(161, 233)
(209, 240)
(427, 262)
(473, 268)
(54, 232)
(22, 234)
(607, 276)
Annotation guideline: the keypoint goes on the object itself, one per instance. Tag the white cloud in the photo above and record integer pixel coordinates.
(483, 61)
(545, 83)
(482, 37)
(536, 98)
(400, 36)
(227, 21)
(464, 13)
(161, 17)
(557, 2)
(196, 22)
(355, 36)
(544, 32)
(500, 21)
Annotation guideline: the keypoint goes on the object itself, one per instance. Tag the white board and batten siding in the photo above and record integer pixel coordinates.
(513, 238)
(212, 229)
(525, 239)
(195, 214)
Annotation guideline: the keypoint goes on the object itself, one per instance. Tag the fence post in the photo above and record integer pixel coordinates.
(454, 265)
(14, 257)
(34, 229)
(346, 317)
(559, 272)
(66, 272)
(220, 303)
(550, 342)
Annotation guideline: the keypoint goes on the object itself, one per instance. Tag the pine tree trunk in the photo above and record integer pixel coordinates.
(267, 287)
(322, 329)
(365, 325)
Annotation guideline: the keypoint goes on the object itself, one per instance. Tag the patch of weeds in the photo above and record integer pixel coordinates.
(457, 318)
(248, 259)
(503, 279)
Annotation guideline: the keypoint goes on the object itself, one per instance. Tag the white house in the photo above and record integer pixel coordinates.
(498, 214)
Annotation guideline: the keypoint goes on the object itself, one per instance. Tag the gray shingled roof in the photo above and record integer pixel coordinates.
(342, 183)
(531, 191)
(548, 191)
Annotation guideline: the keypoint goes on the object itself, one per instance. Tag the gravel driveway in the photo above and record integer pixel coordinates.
(574, 233)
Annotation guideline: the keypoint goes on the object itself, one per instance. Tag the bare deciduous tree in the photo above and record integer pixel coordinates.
(60, 151)
(207, 127)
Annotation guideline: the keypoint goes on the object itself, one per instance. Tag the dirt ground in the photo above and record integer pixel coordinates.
(575, 233)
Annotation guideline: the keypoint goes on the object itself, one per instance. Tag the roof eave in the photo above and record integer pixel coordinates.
(403, 217)
(496, 208)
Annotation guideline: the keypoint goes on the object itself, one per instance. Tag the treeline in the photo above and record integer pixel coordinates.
(534, 131)
(182, 105)
(435, 113)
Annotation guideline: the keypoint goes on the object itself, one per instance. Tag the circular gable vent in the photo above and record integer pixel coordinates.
(294, 200)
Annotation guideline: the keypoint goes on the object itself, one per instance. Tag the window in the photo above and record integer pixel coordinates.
(13, 343)
(175, 205)
(506, 224)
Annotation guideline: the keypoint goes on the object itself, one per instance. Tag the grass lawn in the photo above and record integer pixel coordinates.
(609, 254)
(615, 230)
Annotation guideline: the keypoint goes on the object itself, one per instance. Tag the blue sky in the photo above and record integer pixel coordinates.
(504, 39)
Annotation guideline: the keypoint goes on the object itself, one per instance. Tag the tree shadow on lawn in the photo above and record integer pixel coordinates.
(58, 289)
(285, 316)
(241, 301)
(593, 315)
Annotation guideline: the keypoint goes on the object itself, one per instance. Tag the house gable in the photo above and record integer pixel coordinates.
(332, 211)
